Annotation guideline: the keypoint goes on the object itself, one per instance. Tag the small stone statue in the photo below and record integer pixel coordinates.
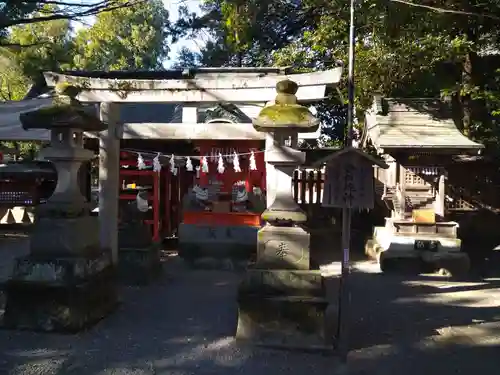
(196, 199)
(133, 231)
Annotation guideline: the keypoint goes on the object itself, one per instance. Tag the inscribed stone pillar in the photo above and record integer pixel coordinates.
(109, 175)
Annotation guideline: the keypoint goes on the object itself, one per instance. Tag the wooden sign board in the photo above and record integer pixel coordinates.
(349, 182)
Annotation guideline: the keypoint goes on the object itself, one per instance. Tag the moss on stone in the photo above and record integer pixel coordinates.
(282, 215)
(56, 116)
(286, 116)
(67, 89)
(57, 109)
(286, 113)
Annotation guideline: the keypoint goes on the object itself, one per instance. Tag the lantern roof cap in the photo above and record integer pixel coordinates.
(65, 112)
(285, 114)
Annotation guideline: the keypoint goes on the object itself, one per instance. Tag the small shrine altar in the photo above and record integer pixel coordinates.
(417, 138)
(221, 212)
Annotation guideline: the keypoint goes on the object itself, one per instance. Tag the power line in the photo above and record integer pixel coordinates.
(443, 10)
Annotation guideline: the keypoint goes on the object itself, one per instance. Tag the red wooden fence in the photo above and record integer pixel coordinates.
(308, 186)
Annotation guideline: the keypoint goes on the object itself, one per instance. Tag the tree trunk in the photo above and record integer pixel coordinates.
(468, 66)
(239, 57)
(466, 100)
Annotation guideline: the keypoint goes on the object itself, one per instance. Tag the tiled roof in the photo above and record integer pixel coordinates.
(415, 123)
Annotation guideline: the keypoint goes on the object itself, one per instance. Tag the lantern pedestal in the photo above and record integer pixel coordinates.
(281, 302)
(139, 262)
(285, 309)
(60, 294)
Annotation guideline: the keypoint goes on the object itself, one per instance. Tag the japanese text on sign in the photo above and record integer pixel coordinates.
(212, 233)
(349, 183)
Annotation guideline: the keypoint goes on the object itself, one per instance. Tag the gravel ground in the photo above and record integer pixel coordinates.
(185, 323)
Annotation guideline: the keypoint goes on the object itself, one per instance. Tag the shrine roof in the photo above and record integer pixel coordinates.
(399, 123)
(336, 154)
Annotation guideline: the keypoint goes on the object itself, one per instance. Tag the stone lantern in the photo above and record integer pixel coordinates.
(281, 301)
(67, 281)
(282, 122)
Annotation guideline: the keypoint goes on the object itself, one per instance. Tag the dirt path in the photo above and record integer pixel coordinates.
(185, 324)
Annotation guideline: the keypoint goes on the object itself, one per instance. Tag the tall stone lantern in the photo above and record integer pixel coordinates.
(66, 282)
(281, 301)
(282, 122)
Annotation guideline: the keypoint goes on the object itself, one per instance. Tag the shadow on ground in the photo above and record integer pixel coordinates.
(386, 308)
(185, 323)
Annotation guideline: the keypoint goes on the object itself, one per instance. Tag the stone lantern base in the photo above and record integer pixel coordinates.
(139, 265)
(282, 302)
(139, 260)
(60, 293)
(285, 308)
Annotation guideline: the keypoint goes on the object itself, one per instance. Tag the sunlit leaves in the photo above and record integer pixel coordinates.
(129, 38)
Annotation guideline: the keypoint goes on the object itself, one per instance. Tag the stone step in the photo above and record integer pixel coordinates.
(421, 202)
(288, 299)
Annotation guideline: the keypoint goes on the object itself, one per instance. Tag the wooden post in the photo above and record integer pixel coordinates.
(344, 292)
(348, 185)
(109, 172)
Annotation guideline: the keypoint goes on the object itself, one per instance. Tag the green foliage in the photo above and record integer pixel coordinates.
(16, 13)
(13, 83)
(244, 33)
(401, 50)
(24, 150)
(129, 38)
(49, 48)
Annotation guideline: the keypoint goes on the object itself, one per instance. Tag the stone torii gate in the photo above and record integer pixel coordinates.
(248, 88)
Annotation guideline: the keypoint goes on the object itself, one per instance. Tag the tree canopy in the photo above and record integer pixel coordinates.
(38, 35)
(126, 38)
(445, 49)
(15, 12)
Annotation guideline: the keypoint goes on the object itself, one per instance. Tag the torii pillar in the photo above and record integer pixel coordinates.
(109, 176)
